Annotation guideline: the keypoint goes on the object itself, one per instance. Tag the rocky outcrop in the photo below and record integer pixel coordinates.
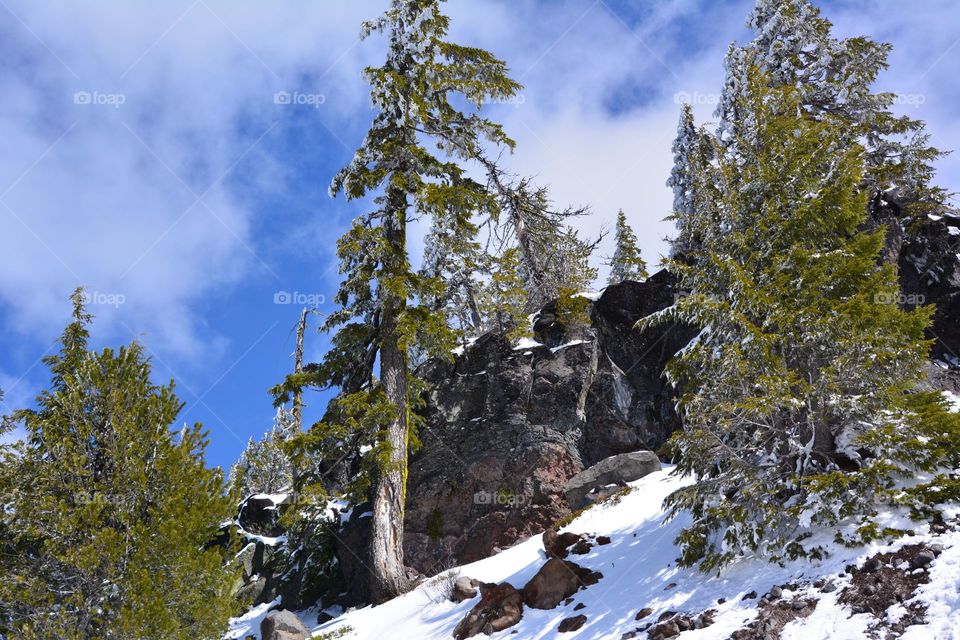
(929, 268)
(506, 427)
(616, 470)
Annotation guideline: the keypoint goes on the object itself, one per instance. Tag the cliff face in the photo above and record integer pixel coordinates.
(507, 427)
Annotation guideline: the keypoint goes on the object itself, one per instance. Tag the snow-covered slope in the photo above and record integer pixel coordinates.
(639, 571)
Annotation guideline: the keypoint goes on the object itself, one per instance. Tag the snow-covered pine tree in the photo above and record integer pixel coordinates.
(793, 45)
(800, 395)
(626, 263)
(108, 514)
(692, 152)
(264, 466)
(384, 304)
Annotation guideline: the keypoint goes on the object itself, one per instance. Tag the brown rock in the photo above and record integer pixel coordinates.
(572, 624)
(556, 580)
(556, 544)
(643, 613)
(500, 607)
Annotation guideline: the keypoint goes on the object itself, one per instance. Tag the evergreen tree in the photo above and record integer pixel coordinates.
(794, 47)
(800, 401)
(626, 264)
(384, 303)
(692, 152)
(108, 514)
(264, 466)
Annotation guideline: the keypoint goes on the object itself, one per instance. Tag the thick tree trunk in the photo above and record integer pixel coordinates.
(386, 537)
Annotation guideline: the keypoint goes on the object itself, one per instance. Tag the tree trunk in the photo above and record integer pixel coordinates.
(386, 536)
(298, 368)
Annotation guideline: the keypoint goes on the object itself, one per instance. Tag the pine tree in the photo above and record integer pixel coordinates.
(692, 152)
(626, 264)
(264, 466)
(108, 513)
(800, 400)
(384, 303)
(794, 47)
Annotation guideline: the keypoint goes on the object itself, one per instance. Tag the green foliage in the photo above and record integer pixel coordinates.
(109, 515)
(799, 400)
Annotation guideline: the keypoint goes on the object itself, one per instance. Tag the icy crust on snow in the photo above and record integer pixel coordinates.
(638, 565)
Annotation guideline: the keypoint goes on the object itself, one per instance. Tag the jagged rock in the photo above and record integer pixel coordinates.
(260, 515)
(500, 607)
(618, 469)
(556, 545)
(283, 625)
(506, 428)
(556, 580)
(464, 588)
(572, 624)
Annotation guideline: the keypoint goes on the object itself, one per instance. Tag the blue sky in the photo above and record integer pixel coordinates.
(148, 157)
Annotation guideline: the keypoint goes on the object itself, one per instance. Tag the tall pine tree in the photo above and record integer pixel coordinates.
(800, 395)
(384, 302)
(108, 514)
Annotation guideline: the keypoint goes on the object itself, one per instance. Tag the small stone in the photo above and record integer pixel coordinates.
(579, 606)
(922, 559)
(776, 592)
(937, 549)
(871, 565)
(666, 615)
(602, 540)
(750, 596)
(829, 587)
(672, 585)
(869, 589)
(721, 600)
(799, 605)
(643, 613)
(684, 623)
(572, 624)
(629, 635)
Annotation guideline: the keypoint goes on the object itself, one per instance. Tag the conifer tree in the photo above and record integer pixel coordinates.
(692, 152)
(800, 400)
(384, 303)
(108, 513)
(626, 264)
(793, 46)
(264, 466)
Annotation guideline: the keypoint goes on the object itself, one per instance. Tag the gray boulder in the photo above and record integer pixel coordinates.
(283, 625)
(618, 469)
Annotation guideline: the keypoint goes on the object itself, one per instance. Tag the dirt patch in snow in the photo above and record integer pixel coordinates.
(888, 579)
